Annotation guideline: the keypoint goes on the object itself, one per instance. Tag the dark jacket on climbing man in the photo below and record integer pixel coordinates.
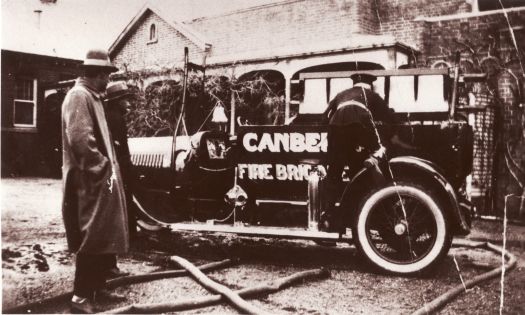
(351, 121)
(377, 106)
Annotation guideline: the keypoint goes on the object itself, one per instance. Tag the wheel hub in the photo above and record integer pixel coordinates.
(400, 228)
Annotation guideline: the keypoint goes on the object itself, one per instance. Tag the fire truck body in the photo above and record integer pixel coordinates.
(268, 180)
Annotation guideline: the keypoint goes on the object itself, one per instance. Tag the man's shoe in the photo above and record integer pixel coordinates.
(115, 272)
(105, 295)
(84, 307)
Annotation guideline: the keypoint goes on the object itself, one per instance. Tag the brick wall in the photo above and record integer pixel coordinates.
(288, 23)
(510, 168)
(368, 16)
(297, 22)
(167, 51)
(285, 24)
(398, 17)
(480, 32)
(485, 133)
(294, 22)
(488, 35)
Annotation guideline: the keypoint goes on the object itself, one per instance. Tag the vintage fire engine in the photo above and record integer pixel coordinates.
(268, 181)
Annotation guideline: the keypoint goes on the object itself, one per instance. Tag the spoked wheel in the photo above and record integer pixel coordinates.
(401, 229)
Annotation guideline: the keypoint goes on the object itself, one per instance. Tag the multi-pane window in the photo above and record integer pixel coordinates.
(24, 108)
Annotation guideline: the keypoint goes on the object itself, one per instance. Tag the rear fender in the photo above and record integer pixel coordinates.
(416, 170)
(407, 167)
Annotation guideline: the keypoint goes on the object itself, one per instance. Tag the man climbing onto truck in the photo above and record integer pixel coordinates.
(353, 139)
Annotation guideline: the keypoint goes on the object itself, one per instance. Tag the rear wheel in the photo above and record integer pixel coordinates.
(401, 229)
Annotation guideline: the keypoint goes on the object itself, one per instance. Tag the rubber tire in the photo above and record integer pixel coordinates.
(439, 249)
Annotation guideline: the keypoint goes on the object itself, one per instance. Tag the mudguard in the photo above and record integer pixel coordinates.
(418, 171)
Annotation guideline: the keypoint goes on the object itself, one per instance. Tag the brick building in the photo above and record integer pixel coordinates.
(293, 36)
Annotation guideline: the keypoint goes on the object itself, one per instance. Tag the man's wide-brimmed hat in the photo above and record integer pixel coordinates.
(116, 90)
(363, 77)
(98, 58)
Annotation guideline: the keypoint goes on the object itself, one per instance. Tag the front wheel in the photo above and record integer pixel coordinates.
(401, 229)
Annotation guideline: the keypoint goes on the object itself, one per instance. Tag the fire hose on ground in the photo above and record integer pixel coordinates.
(236, 297)
(121, 282)
(443, 299)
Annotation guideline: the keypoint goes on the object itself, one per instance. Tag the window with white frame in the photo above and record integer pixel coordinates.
(24, 105)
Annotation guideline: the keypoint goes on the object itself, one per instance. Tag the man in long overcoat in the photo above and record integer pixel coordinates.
(94, 204)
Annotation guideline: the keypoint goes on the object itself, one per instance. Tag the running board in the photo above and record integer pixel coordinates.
(258, 231)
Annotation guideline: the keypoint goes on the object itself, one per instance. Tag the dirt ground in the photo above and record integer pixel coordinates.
(36, 265)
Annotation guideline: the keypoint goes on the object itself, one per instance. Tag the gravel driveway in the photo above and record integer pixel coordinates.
(36, 265)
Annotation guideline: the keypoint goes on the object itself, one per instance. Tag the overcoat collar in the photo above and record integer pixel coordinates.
(88, 84)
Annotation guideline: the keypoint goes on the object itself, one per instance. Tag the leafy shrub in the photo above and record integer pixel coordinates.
(156, 108)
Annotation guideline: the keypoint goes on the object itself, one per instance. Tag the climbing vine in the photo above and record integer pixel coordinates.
(156, 107)
(499, 55)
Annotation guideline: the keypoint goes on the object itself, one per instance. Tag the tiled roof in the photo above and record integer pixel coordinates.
(356, 42)
(280, 28)
(285, 29)
(187, 10)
